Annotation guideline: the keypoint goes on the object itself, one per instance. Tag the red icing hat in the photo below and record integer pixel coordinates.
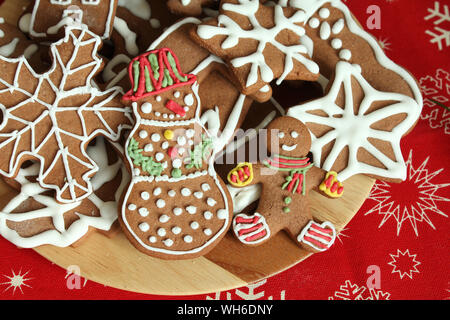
(154, 72)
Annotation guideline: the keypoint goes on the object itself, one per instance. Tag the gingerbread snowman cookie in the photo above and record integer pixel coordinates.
(176, 207)
(286, 178)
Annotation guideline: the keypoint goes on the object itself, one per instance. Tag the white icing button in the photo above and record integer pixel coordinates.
(160, 203)
(190, 142)
(165, 145)
(186, 109)
(211, 202)
(171, 116)
(143, 134)
(314, 23)
(325, 31)
(324, 13)
(152, 239)
(144, 227)
(208, 215)
(338, 26)
(345, 54)
(145, 195)
(181, 151)
(294, 134)
(177, 211)
(157, 114)
(148, 147)
(187, 239)
(222, 214)
(156, 137)
(164, 218)
(146, 107)
(189, 99)
(181, 141)
(157, 191)
(168, 242)
(132, 207)
(159, 156)
(136, 171)
(172, 193)
(161, 232)
(143, 212)
(281, 135)
(208, 232)
(198, 194)
(165, 115)
(158, 98)
(186, 192)
(177, 94)
(176, 230)
(190, 133)
(191, 209)
(206, 187)
(336, 44)
(194, 225)
(177, 163)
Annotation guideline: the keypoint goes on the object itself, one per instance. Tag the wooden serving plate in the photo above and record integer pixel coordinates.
(116, 263)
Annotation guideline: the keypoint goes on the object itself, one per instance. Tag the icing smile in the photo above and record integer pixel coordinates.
(288, 148)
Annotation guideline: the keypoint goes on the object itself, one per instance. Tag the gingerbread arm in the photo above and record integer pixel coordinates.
(246, 174)
(325, 182)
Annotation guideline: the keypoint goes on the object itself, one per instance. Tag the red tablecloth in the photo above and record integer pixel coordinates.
(396, 247)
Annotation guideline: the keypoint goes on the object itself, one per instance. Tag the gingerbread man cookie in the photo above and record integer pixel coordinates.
(176, 207)
(286, 178)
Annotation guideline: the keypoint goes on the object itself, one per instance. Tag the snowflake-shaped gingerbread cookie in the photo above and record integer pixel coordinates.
(52, 117)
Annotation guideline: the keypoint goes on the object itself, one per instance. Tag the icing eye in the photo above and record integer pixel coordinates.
(281, 135)
(294, 134)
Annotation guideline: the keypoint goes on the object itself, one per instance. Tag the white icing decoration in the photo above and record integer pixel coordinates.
(198, 194)
(325, 31)
(189, 99)
(338, 26)
(156, 137)
(168, 242)
(207, 232)
(8, 49)
(128, 36)
(161, 232)
(176, 230)
(157, 191)
(314, 23)
(345, 54)
(145, 195)
(185, 192)
(164, 218)
(207, 215)
(148, 147)
(143, 134)
(62, 236)
(336, 44)
(211, 202)
(143, 212)
(146, 107)
(159, 156)
(288, 148)
(144, 227)
(205, 187)
(324, 13)
(177, 94)
(160, 203)
(139, 8)
(294, 134)
(172, 193)
(181, 141)
(263, 36)
(152, 239)
(191, 209)
(177, 211)
(353, 130)
(187, 239)
(165, 145)
(132, 207)
(177, 163)
(194, 225)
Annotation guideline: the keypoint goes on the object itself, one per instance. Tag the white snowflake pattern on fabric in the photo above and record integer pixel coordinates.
(436, 92)
(391, 204)
(17, 281)
(404, 263)
(252, 293)
(350, 291)
(440, 16)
